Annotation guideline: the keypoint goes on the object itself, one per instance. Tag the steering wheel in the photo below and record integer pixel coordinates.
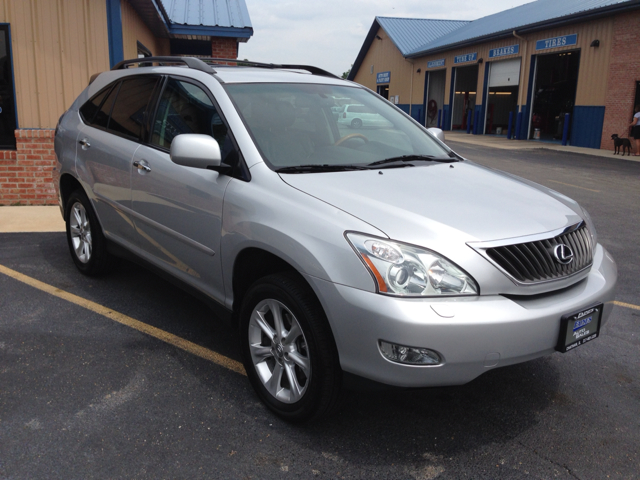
(349, 137)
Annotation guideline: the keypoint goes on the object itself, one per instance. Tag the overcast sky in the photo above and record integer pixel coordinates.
(330, 33)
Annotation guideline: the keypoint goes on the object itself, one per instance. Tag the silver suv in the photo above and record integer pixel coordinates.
(340, 255)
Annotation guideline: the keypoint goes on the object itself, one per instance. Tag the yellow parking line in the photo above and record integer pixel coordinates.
(576, 186)
(627, 305)
(154, 332)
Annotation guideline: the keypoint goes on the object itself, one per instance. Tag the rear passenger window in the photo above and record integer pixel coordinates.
(186, 108)
(128, 114)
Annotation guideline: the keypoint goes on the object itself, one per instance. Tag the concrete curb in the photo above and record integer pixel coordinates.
(504, 144)
(31, 219)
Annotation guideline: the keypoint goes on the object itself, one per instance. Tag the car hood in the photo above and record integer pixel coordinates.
(442, 202)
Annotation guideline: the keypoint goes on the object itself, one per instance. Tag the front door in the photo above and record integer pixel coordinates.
(177, 209)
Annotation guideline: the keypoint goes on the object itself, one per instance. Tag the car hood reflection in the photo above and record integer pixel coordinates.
(461, 201)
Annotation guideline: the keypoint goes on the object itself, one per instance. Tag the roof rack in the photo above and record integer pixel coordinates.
(248, 63)
(191, 62)
(202, 64)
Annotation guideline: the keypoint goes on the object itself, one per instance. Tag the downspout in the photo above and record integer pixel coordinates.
(522, 65)
(519, 118)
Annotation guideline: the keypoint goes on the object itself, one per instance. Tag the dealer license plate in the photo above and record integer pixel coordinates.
(579, 328)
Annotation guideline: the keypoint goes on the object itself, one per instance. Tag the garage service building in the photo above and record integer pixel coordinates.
(544, 70)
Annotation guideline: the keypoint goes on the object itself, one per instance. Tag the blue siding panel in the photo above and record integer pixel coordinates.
(586, 126)
(114, 32)
(479, 114)
(524, 124)
(446, 117)
(416, 110)
(404, 107)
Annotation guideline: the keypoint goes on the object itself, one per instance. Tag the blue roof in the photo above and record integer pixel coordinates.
(406, 34)
(528, 15)
(207, 13)
(410, 33)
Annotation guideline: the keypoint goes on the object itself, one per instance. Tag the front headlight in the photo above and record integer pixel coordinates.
(405, 270)
(590, 226)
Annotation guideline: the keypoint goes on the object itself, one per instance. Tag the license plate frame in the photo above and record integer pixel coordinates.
(579, 327)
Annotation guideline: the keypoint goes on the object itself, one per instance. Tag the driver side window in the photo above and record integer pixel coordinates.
(186, 108)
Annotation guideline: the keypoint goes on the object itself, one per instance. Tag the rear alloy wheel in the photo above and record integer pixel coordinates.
(356, 123)
(87, 244)
(288, 349)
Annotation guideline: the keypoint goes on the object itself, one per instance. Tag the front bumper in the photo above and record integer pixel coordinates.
(472, 334)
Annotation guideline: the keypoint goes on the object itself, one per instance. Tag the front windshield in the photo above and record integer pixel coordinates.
(295, 125)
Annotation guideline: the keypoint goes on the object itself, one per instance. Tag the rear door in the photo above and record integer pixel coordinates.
(177, 209)
(106, 144)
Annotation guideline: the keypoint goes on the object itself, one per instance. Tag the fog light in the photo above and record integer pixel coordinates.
(409, 355)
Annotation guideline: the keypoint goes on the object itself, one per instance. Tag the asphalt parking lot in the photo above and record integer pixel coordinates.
(124, 376)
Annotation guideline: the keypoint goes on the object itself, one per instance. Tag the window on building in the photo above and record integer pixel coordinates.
(7, 98)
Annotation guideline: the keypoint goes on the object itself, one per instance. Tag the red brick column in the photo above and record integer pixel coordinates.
(25, 173)
(624, 71)
(224, 47)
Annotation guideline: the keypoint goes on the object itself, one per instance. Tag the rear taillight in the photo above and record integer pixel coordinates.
(344, 115)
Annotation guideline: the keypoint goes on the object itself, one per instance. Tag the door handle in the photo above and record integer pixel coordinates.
(85, 143)
(141, 166)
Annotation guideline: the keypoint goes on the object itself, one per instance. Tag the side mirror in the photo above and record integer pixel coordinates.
(196, 151)
(436, 132)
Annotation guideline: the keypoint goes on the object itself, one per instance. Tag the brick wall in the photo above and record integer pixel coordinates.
(25, 173)
(624, 71)
(224, 48)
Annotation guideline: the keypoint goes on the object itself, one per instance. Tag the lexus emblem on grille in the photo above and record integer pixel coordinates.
(563, 254)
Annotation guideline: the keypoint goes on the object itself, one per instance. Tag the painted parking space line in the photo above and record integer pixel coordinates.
(575, 186)
(154, 332)
(627, 305)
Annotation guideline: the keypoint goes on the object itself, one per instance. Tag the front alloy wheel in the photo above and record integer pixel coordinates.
(279, 351)
(288, 349)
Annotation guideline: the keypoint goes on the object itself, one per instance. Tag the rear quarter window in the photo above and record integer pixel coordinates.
(92, 106)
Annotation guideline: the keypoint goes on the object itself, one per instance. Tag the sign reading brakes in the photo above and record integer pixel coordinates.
(555, 42)
(504, 51)
(469, 57)
(383, 77)
(435, 63)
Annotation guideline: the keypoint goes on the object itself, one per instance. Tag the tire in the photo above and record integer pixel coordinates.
(356, 123)
(87, 244)
(296, 373)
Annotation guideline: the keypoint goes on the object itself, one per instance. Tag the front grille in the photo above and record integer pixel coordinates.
(534, 262)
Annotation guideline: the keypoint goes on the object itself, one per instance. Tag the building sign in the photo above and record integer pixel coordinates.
(435, 63)
(383, 77)
(504, 51)
(563, 41)
(469, 57)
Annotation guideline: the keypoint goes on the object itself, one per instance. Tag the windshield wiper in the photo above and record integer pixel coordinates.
(319, 168)
(412, 158)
